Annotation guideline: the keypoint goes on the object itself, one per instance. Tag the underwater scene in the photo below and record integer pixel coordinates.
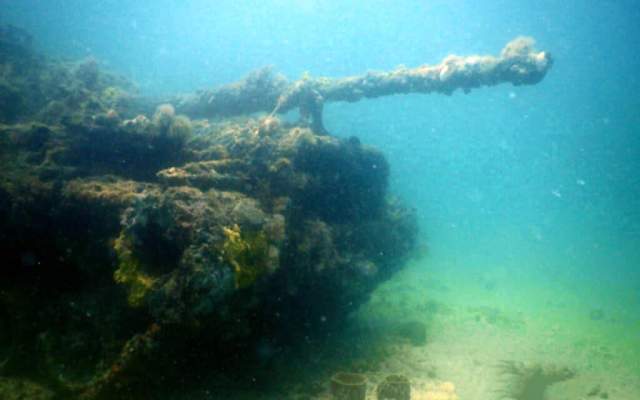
(319, 199)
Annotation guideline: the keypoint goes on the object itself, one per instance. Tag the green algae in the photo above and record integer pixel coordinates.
(248, 253)
(130, 272)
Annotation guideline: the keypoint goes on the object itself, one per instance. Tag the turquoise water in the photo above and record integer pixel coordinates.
(528, 197)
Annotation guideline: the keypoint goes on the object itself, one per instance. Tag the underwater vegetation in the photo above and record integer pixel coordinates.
(530, 381)
(137, 242)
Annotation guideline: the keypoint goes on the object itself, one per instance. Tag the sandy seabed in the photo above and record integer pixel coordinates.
(478, 322)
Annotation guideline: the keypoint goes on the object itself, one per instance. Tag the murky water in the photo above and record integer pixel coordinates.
(524, 277)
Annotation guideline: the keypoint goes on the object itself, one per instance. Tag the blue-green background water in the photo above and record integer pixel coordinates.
(540, 181)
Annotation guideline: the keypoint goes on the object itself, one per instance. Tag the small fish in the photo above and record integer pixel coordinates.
(556, 193)
(581, 182)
